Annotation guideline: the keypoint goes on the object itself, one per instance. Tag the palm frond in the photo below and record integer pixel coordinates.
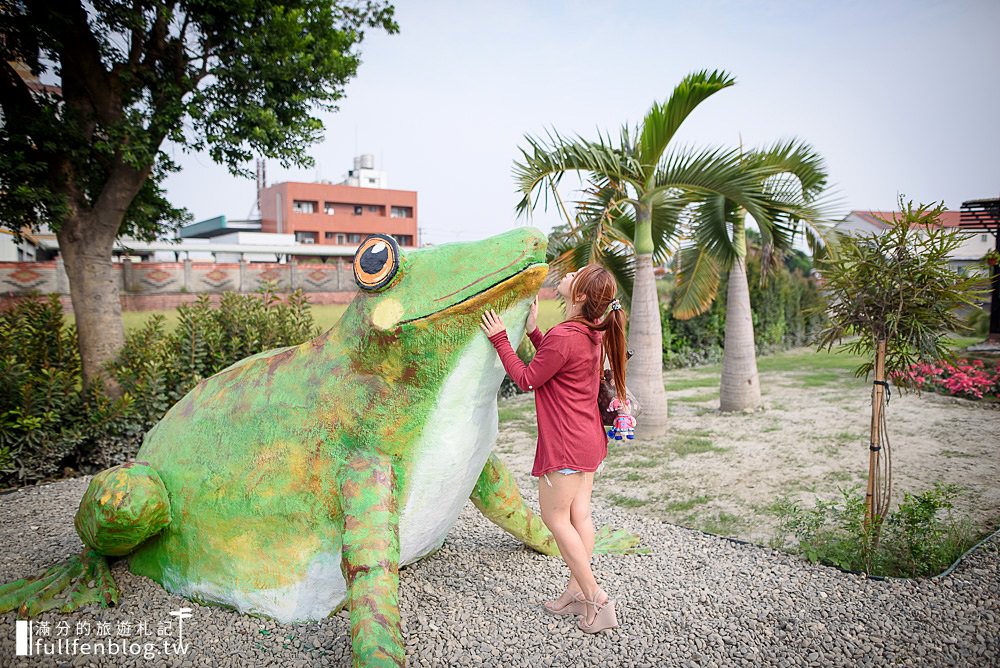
(713, 220)
(790, 157)
(697, 278)
(793, 178)
(662, 120)
(546, 161)
(713, 171)
(620, 261)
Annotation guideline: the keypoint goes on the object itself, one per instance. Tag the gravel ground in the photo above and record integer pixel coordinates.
(696, 601)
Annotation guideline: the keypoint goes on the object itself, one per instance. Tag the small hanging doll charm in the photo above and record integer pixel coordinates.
(623, 426)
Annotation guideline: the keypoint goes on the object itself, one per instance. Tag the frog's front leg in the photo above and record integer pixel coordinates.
(371, 560)
(497, 497)
(80, 580)
(122, 507)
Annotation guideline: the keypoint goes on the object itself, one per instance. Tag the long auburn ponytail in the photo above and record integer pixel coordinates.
(598, 286)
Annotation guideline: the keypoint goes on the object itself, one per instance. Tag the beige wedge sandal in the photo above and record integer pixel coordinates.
(574, 607)
(604, 619)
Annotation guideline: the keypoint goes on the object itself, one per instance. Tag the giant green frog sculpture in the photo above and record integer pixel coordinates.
(298, 480)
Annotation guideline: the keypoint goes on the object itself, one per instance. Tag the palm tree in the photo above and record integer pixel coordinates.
(639, 175)
(792, 177)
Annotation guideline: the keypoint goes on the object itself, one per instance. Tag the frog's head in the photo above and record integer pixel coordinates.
(441, 291)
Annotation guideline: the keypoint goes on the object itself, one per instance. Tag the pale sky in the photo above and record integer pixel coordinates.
(899, 97)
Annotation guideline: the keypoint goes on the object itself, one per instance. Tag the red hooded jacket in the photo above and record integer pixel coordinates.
(565, 376)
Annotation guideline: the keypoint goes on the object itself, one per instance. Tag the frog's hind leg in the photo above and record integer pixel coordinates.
(122, 507)
(371, 560)
(497, 497)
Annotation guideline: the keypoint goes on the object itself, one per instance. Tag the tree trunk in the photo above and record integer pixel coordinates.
(645, 333)
(86, 250)
(875, 503)
(740, 387)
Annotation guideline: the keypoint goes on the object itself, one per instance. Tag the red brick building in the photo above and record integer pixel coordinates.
(341, 215)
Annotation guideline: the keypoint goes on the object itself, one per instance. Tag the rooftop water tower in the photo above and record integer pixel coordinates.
(364, 174)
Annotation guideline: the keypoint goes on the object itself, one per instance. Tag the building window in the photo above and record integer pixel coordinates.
(340, 240)
(403, 239)
(358, 209)
(372, 209)
(401, 212)
(354, 238)
(982, 237)
(306, 237)
(328, 235)
(371, 180)
(302, 206)
(328, 208)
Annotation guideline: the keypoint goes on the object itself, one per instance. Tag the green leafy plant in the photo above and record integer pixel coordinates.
(47, 421)
(922, 537)
(897, 288)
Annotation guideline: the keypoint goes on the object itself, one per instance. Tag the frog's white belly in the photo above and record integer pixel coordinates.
(452, 451)
(450, 454)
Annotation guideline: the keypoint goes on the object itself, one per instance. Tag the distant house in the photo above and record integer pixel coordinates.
(970, 253)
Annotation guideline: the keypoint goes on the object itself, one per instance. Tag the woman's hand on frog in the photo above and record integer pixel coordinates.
(532, 322)
(492, 324)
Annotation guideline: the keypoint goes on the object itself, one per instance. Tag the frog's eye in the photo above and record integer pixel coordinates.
(376, 262)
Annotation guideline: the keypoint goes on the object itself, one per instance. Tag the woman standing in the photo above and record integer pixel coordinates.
(565, 376)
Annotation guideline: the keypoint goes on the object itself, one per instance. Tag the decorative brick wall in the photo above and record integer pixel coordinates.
(165, 285)
(146, 286)
(26, 277)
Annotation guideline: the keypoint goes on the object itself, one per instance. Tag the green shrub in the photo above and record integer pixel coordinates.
(978, 321)
(47, 424)
(921, 537)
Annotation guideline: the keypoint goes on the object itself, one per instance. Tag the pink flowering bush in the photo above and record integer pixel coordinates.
(969, 379)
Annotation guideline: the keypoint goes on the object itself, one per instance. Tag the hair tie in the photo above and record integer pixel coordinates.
(616, 305)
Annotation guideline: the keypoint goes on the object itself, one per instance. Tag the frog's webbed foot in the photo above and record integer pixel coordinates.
(371, 561)
(78, 581)
(617, 541)
(498, 499)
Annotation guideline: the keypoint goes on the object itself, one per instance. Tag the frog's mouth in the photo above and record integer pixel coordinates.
(499, 295)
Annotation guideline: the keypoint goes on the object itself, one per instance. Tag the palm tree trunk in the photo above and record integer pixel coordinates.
(740, 388)
(645, 369)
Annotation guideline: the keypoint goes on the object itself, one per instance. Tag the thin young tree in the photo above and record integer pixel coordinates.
(895, 293)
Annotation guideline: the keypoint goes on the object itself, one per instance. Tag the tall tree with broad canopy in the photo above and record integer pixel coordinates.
(641, 174)
(793, 179)
(90, 91)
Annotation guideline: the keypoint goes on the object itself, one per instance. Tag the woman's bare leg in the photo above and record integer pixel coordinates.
(579, 516)
(556, 499)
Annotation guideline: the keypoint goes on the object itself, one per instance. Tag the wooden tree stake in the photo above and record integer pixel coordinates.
(875, 442)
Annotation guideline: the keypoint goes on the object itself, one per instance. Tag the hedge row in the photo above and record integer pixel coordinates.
(50, 427)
